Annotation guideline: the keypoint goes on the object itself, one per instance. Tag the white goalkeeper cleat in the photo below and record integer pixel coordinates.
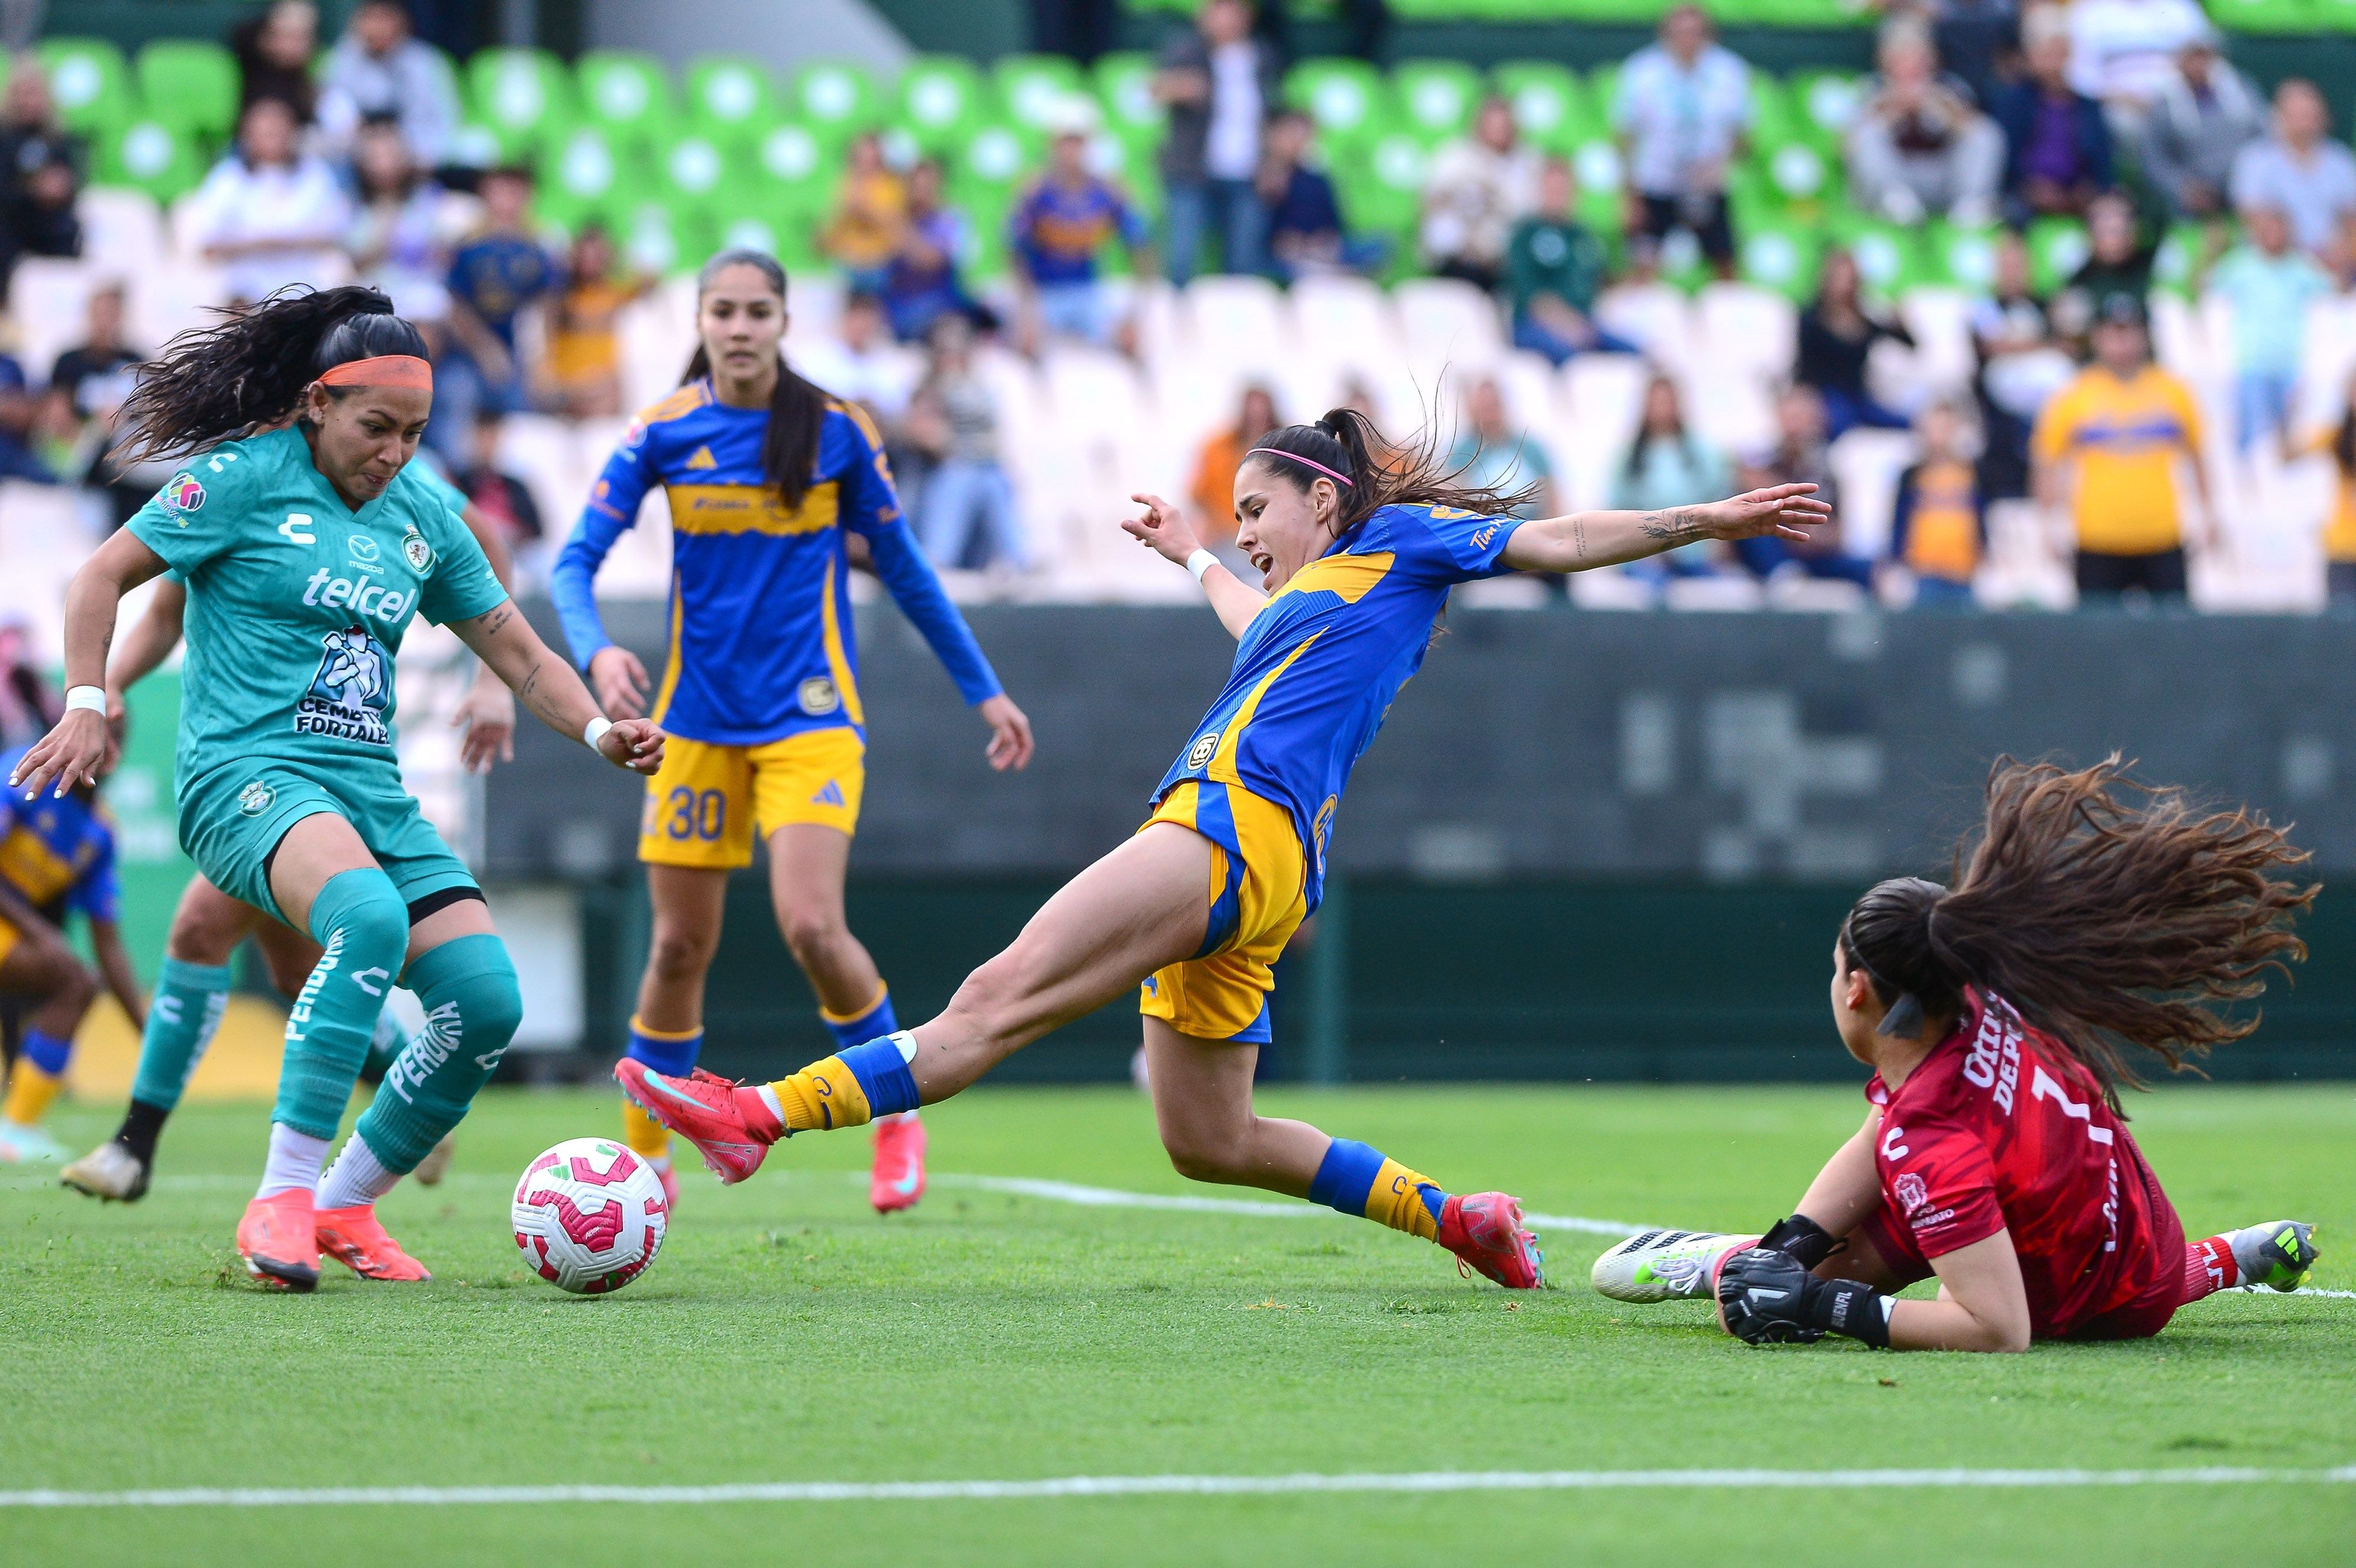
(1665, 1265)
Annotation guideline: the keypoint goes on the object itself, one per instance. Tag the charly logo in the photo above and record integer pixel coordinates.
(1201, 750)
(256, 798)
(417, 553)
(182, 493)
(352, 690)
(364, 550)
(818, 695)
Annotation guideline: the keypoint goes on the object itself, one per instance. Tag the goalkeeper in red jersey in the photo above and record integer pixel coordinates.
(2096, 922)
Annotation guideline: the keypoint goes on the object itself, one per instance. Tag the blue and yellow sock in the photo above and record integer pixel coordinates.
(670, 1052)
(1360, 1180)
(182, 1018)
(850, 1088)
(39, 1077)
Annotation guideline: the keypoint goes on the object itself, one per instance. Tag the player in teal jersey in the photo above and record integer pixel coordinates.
(192, 987)
(1357, 546)
(770, 483)
(307, 550)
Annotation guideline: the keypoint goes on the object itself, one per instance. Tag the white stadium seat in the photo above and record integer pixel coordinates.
(1447, 325)
(1238, 320)
(122, 231)
(49, 298)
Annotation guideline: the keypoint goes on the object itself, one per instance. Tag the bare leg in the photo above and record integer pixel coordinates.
(687, 901)
(207, 925)
(1203, 1105)
(41, 965)
(807, 866)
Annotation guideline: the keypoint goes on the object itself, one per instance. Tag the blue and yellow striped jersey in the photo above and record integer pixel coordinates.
(1317, 669)
(760, 639)
(56, 852)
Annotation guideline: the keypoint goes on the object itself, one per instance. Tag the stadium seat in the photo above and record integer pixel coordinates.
(1750, 329)
(523, 95)
(1347, 98)
(940, 98)
(1963, 256)
(1826, 102)
(1939, 317)
(191, 84)
(1125, 85)
(1888, 255)
(1551, 104)
(169, 300)
(1602, 174)
(657, 334)
(2269, 16)
(48, 298)
(626, 95)
(691, 171)
(581, 173)
(1436, 98)
(476, 146)
(1654, 316)
(87, 81)
(1382, 184)
(837, 98)
(1033, 86)
(149, 156)
(1780, 255)
(794, 164)
(991, 167)
(122, 231)
(1604, 398)
(1445, 322)
(730, 97)
(1237, 319)
(2057, 248)
(1867, 463)
(1346, 323)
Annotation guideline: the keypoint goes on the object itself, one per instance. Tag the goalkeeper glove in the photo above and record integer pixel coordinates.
(1768, 1298)
(1804, 1238)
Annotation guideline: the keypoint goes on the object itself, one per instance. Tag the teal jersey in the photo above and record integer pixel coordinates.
(297, 604)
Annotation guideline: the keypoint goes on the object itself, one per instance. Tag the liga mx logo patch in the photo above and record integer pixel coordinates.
(181, 493)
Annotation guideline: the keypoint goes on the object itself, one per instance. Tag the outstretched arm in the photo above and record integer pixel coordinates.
(1982, 1304)
(1589, 539)
(75, 751)
(1848, 1189)
(486, 715)
(1165, 530)
(503, 639)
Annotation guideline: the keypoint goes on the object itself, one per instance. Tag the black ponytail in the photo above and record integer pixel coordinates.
(1375, 474)
(797, 405)
(250, 371)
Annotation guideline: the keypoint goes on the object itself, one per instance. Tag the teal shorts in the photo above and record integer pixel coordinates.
(232, 817)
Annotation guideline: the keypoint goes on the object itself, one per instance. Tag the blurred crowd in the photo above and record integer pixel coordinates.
(2124, 113)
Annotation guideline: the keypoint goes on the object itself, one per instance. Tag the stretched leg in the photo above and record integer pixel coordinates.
(37, 963)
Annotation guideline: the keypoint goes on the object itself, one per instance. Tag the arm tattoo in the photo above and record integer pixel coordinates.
(530, 684)
(1579, 536)
(498, 618)
(1682, 526)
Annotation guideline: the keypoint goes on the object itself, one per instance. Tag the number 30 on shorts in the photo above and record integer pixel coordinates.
(687, 814)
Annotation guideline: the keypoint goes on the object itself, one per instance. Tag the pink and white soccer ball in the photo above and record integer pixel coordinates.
(590, 1216)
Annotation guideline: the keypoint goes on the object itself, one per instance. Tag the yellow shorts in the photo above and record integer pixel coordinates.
(1258, 895)
(9, 938)
(704, 805)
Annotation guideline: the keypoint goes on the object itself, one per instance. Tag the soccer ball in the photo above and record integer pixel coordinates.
(590, 1216)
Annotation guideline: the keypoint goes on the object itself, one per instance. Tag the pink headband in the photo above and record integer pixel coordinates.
(1272, 451)
(384, 370)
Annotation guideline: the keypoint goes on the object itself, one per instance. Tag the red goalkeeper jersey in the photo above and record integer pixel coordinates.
(2001, 1128)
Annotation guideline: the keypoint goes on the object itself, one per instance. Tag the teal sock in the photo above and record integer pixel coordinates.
(362, 928)
(182, 1018)
(472, 1009)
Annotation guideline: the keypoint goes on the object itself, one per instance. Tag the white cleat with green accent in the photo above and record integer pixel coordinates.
(1665, 1265)
(2277, 1254)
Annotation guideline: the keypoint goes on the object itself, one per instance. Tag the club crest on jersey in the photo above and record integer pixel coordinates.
(352, 690)
(1912, 1195)
(182, 493)
(254, 799)
(417, 553)
(1201, 752)
(818, 696)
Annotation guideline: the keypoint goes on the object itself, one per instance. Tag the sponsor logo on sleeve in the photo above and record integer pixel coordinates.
(182, 494)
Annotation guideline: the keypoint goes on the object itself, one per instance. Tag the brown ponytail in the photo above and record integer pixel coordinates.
(2112, 913)
(1345, 444)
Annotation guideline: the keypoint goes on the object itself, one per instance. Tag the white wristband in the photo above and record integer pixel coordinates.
(1201, 562)
(90, 697)
(595, 731)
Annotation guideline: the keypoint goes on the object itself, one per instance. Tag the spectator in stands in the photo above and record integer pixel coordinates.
(2118, 265)
(921, 282)
(500, 272)
(1490, 454)
(1918, 148)
(1938, 529)
(1214, 490)
(1799, 456)
(503, 501)
(2020, 366)
(2123, 52)
(1683, 117)
(269, 213)
(2340, 529)
(1059, 227)
(1554, 266)
(2108, 448)
(2200, 119)
(1305, 231)
(2301, 170)
(584, 342)
(1217, 82)
(1668, 466)
(378, 70)
(870, 217)
(87, 386)
(2057, 147)
(20, 414)
(966, 516)
(1478, 188)
(401, 232)
(862, 364)
(1838, 333)
(2270, 284)
(40, 173)
(273, 50)
(29, 703)
(1976, 40)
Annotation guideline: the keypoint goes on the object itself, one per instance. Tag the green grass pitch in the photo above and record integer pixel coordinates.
(787, 1333)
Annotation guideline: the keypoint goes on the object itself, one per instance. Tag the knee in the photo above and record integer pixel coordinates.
(204, 932)
(495, 1007)
(77, 986)
(1201, 1152)
(680, 954)
(363, 912)
(811, 933)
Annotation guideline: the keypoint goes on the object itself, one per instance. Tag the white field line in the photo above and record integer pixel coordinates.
(1166, 1486)
(1058, 1192)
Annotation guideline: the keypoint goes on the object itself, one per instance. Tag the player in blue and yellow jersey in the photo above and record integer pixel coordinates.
(1357, 546)
(57, 858)
(769, 480)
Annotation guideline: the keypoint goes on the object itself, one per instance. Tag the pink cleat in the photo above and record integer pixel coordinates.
(354, 1239)
(730, 1126)
(279, 1243)
(1485, 1230)
(897, 1180)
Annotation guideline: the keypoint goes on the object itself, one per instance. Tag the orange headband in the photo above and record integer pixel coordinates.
(385, 371)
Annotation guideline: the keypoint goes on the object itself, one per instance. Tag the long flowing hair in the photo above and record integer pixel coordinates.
(2115, 915)
(797, 405)
(1380, 473)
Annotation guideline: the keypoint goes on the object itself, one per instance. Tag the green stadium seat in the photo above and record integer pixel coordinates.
(2269, 15)
(1347, 99)
(1782, 255)
(1032, 87)
(524, 95)
(836, 99)
(190, 83)
(1603, 86)
(1889, 256)
(1961, 256)
(1383, 191)
(476, 146)
(2057, 248)
(626, 95)
(1131, 166)
(89, 82)
(151, 156)
(690, 172)
(989, 170)
(730, 97)
(1602, 177)
(582, 170)
(1436, 98)
(1773, 120)
(1125, 87)
(656, 237)
(940, 98)
(1826, 102)
(1798, 171)
(796, 167)
(1551, 104)
(2174, 259)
